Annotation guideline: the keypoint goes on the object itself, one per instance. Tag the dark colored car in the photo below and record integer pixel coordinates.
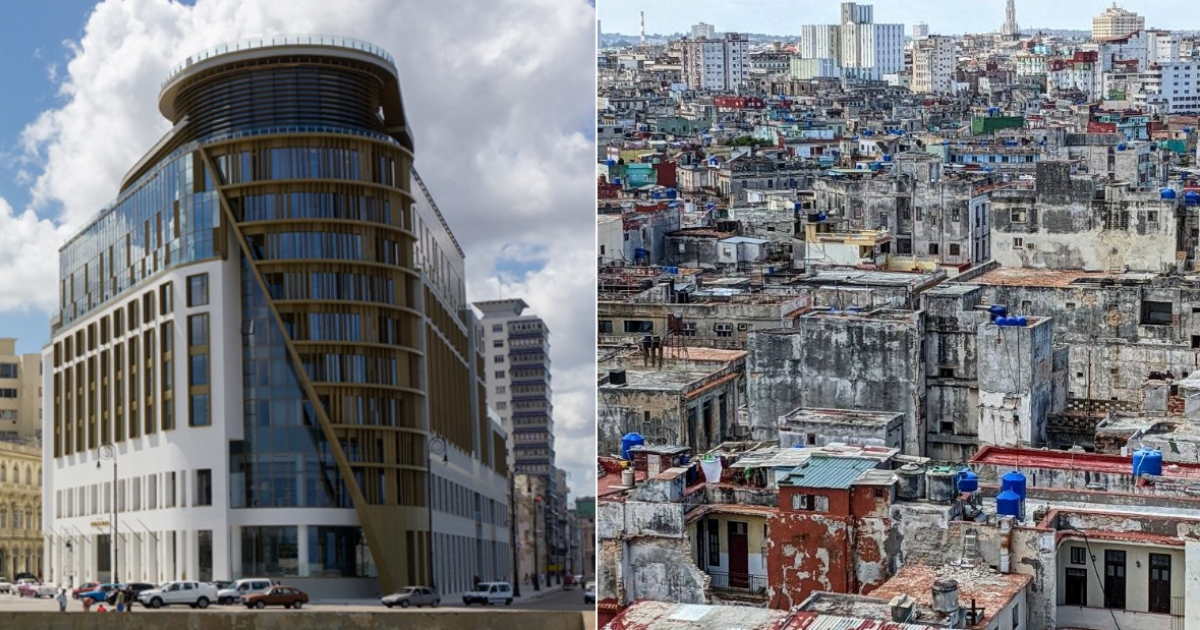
(286, 596)
(134, 588)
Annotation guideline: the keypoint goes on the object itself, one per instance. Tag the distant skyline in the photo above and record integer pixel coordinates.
(784, 17)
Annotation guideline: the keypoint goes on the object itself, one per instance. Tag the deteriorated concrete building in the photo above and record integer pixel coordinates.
(863, 360)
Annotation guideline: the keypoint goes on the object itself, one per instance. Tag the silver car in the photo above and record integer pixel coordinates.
(413, 596)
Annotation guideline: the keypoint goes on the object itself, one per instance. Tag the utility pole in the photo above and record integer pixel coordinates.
(512, 532)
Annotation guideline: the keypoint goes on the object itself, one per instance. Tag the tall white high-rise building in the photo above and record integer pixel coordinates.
(920, 31)
(1116, 22)
(517, 373)
(933, 65)
(1010, 30)
(718, 64)
(820, 41)
(703, 31)
(862, 48)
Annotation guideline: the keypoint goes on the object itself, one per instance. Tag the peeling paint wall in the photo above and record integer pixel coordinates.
(839, 362)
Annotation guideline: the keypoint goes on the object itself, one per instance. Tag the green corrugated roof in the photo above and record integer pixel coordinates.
(828, 472)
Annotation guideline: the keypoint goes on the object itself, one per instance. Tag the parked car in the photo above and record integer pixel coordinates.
(286, 596)
(589, 593)
(100, 593)
(568, 582)
(221, 585)
(30, 587)
(27, 576)
(235, 593)
(413, 596)
(5, 585)
(135, 587)
(193, 594)
(84, 588)
(488, 593)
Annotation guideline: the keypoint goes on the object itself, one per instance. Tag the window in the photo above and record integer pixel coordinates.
(688, 329)
(639, 326)
(148, 306)
(946, 427)
(497, 328)
(1156, 313)
(1019, 215)
(1016, 616)
(199, 416)
(197, 290)
(198, 329)
(1078, 555)
(166, 298)
(498, 374)
(933, 249)
(606, 326)
(198, 370)
(8, 370)
(714, 543)
(954, 249)
(810, 503)
(8, 414)
(203, 487)
(501, 389)
(499, 343)
(8, 393)
(723, 330)
(499, 358)
(1018, 243)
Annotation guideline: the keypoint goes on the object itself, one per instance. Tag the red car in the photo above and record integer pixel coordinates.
(84, 588)
(286, 596)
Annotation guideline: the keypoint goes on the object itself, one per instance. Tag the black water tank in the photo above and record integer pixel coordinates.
(616, 377)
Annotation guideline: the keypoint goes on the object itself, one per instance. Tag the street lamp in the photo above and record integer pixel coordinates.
(537, 567)
(107, 451)
(437, 446)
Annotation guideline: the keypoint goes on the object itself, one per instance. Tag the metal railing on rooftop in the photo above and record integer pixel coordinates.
(747, 583)
(280, 40)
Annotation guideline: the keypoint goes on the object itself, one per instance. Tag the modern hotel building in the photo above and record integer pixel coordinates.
(267, 335)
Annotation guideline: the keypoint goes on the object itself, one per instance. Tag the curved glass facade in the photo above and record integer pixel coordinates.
(167, 220)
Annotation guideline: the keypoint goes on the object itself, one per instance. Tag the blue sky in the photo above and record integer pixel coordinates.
(26, 53)
(784, 17)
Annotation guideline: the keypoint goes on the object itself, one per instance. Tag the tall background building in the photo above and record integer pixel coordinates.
(20, 394)
(265, 319)
(1116, 22)
(720, 64)
(1010, 30)
(703, 31)
(933, 65)
(863, 49)
(920, 31)
(518, 385)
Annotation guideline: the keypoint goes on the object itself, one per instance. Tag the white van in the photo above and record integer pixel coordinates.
(242, 588)
(488, 593)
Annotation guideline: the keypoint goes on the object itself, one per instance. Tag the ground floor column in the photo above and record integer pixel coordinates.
(235, 552)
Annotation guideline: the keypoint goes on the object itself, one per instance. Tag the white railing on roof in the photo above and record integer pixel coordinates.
(280, 40)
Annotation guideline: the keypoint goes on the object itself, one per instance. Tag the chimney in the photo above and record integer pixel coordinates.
(945, 596)
(902, 607)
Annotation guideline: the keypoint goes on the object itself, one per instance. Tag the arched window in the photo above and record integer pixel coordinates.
(3, 472)
(18, 522)
(28, 476)
(3, 521)
(39, 476)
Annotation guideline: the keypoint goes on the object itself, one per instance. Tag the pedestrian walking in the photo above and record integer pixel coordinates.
(129, 599)
(62, 600)
(120, 600)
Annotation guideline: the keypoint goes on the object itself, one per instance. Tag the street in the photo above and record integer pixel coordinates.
(558, 600)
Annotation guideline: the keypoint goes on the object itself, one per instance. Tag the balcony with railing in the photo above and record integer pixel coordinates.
(743, 584)
(1098, 617)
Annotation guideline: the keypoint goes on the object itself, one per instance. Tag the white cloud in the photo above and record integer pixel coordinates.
(496, 93)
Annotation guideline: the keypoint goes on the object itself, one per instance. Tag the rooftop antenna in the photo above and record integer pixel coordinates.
(643, 13)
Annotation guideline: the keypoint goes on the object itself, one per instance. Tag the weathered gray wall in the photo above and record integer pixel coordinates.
(868, 362)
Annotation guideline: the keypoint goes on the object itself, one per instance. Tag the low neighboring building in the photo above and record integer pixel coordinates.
(684, 396)
(807, 426)
(21, 533)
(20, 393)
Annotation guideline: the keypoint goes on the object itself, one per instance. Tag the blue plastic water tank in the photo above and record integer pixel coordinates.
(1191, 198)
(1166, 193)
(998, 310)
(968, 481)
(656, 195)
(1008, 503)
(1148, 461)
(610, 162)
(1022, 321)
(617, 181)
(671, 193)
(821, 216)
(1014, 482)
(1121, 147)
(629, 441)
(887, 158)
(797, 207)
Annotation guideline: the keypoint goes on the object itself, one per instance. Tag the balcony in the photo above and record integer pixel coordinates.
(747, 584)
(1096, 617)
